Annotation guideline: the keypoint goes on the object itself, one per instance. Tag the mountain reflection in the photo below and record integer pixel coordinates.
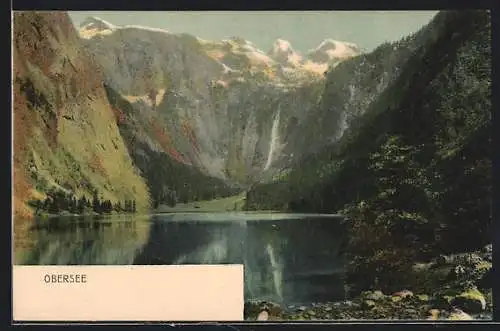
(290, 258)
(86, 242)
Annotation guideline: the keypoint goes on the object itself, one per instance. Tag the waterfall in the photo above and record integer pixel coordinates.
(274, 139)
(342, 126)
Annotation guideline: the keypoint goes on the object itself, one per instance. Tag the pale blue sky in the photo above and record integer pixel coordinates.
(304, 29)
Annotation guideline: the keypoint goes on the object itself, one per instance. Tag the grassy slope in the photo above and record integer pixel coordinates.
(233, 203)
(65, 133)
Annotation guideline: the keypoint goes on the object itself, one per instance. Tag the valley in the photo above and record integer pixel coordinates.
(139, 132)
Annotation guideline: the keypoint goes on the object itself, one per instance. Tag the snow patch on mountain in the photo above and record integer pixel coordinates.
(145, 28)
(94, 22)
(283, 52)
(331, 50)
(328, 54)
(150, 100)
(236, 51)
(94, 27)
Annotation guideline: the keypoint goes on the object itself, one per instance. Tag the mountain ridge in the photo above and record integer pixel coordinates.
(420, 149)
(64, 132)
(328, 52)
(186, 82)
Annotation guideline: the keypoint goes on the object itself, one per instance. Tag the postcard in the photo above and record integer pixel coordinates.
(257, 166)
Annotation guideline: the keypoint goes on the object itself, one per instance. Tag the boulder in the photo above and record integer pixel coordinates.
(433, 314)
(459, 315)
(423, 297)
(396, 299)
(311, 313)
(403, 294)
(471, 301)
(375, 295)
(253, 308)
(368, 304)
(443, 300)
(263, 316)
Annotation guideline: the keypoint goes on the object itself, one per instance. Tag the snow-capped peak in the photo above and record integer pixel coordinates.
(94, 26)
(97, 23)
(283, 52)
(329, 44)
(330, 49)
(282, 45)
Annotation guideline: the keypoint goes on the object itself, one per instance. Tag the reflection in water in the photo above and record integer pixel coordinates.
(86, 242)
(275, 271)
(287, 258)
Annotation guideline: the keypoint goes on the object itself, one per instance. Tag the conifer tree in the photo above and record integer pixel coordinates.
(81, 205)
(118, 206)
(96, 205)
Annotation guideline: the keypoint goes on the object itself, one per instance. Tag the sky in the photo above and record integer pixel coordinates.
(303, 29)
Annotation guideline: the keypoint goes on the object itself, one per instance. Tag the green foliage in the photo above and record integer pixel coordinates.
(169, 181)
(413, 174)
(58, 201)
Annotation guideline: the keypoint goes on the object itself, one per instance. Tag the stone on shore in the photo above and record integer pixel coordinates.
(471, 301)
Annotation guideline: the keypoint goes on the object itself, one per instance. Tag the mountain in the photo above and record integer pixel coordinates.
(397, 141)
(349, 90)
(75, 136)
(332, 51)
(283, 53)
(415, 157)
(219, 115)
(65, 135)
(93, 26)
(223, 107)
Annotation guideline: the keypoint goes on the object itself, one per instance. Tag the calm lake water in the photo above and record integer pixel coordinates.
(288, 258)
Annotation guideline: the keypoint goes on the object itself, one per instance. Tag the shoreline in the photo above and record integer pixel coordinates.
(371, 305)
(453, 287)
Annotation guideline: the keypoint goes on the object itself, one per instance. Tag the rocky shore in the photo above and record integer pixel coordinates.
(453, 287)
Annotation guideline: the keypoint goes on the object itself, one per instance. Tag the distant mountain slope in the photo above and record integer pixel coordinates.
(432, 122)
(65, 134)
(223, 107)
(169, 179)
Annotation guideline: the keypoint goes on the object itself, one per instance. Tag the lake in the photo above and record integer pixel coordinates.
(288, 258)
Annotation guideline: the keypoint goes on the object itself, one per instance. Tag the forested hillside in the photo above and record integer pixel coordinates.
(414, 172)
(169, 180)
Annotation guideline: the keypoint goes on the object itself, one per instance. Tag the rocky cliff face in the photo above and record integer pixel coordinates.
(224, 107)
(65, 135)
(353, 85)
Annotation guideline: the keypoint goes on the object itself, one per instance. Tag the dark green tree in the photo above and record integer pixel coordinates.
(96, 203)
(118, 207)
(81, 205)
